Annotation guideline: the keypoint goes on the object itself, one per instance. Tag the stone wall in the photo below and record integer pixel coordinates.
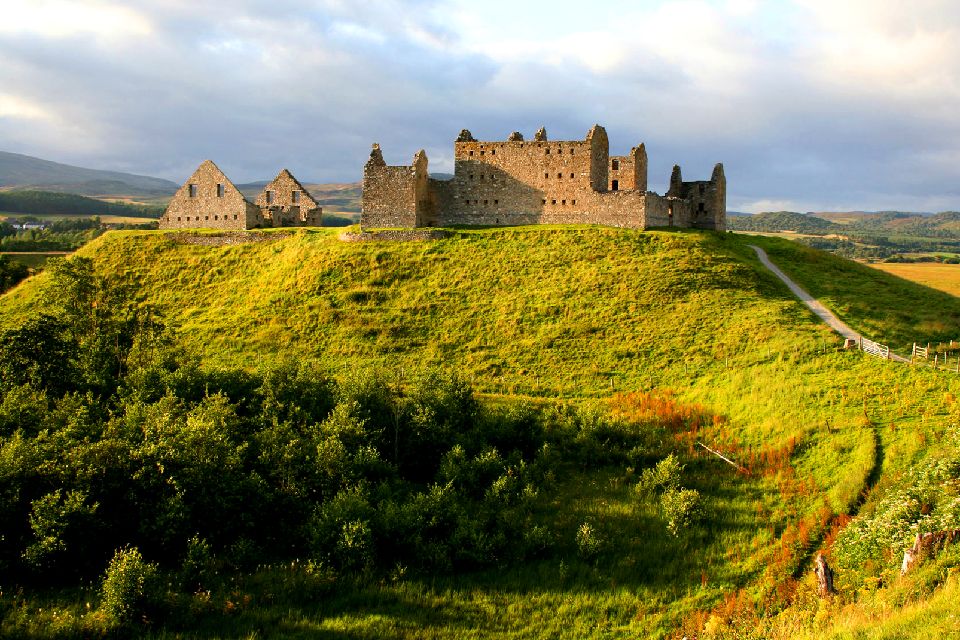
(518, 182)
(535, 182)
(390, 193)
(284, 202)
(707, 200)
(628, 172)
(665, 211)
(209, 200)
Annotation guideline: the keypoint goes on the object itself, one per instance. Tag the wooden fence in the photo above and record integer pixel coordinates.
(940, 360)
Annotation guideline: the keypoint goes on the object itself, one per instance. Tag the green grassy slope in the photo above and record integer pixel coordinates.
(575, 313)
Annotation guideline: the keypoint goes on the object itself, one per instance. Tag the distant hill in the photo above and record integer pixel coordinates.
(27, 172)
(775, 221)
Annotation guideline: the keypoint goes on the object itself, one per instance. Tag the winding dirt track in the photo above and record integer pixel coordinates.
(815, 305)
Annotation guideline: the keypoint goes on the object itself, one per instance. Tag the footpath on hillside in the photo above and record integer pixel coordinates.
(814, 305)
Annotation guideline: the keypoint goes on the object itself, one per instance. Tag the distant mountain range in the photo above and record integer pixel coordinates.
(26, 172)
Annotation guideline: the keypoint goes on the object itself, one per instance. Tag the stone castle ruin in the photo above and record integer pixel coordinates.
(209, 200)
(507, 182)
(537, 182)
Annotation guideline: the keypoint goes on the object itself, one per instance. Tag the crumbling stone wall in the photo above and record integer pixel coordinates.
(395, 196)
(532, 182)
(707, 200)
(629, 172)
(284, 202)
(209, 200)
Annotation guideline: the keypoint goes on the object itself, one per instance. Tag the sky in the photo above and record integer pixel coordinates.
(812, 105)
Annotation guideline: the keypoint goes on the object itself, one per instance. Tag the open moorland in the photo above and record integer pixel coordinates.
(498, 434)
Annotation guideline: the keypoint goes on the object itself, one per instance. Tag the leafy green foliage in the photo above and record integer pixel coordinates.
(56, 519)
(130, 586)
(31, 201)
(783, 221)
(681, 509)
(925, 500)
(11, 272)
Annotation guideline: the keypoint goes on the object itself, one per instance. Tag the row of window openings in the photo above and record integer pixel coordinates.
(271, 195)
(494, 177)
(493, 152)
(498, 202)
(206, 218)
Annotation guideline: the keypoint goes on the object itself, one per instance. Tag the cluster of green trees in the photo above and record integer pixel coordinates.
(68, 204)
(11, 272)
(878, 247)
(57, 235)
(112, 439)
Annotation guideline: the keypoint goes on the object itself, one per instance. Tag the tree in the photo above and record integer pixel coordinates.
(41, 352)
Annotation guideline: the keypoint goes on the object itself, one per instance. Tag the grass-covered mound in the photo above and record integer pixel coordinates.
(529, 310)
(591, 475)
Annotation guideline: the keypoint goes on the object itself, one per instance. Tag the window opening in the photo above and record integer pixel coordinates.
(193, 191)
(616, 185)
(269, 197)
(296, 197)
(219, 190)
(615, 165)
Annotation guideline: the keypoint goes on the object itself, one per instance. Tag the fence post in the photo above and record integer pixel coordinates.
(913, 353)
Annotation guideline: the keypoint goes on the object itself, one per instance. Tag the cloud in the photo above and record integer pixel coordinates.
(807, 102)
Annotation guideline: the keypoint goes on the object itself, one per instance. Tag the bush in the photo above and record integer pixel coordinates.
(589, 542)
(663, 477)
(681, 509)
(130, 588)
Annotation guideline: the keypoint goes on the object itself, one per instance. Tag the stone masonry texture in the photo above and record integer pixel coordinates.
(209, 200)
(537, 182)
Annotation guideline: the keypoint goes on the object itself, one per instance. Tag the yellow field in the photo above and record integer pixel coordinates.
(945, 277)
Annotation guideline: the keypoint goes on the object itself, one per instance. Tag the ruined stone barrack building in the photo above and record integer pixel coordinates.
(537, 182)
(208, 199)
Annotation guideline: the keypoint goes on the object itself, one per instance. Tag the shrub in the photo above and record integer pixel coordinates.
(663, 477)
(589, 542)
(130, 587)
(681, 509)
(59, 523)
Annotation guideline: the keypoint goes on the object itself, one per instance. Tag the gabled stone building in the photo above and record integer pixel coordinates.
(537, 182)
(285, 203)
(209, 200)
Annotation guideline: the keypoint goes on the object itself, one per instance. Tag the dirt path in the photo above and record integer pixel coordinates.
(814, 305)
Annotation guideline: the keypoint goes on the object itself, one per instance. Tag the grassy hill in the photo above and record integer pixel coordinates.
(688, 323)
